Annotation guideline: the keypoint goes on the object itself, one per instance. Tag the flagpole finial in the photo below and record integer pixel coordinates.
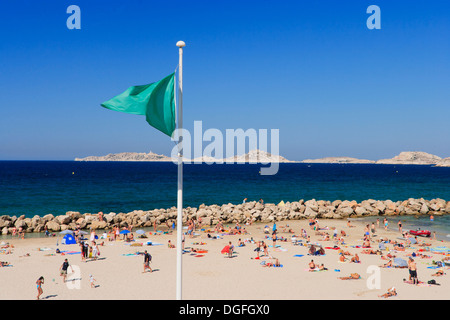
(180, 44)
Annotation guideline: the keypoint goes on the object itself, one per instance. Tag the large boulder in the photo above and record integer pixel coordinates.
(64, 219)
(53, 226)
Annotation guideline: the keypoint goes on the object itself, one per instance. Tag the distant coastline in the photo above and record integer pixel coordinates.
(257, 156)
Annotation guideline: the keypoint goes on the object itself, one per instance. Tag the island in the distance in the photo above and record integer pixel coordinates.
(258, 156)
(406, 157)
(254, 156)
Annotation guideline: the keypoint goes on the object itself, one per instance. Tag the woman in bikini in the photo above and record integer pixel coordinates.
(39, 284)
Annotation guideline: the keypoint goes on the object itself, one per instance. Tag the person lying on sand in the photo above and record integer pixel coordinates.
(390, 293)
(370, 251)
(326, 237)
(388, 256)
(322, 267)
(387, 264)
(272, 264)
(4, 263)
(438, 273)
(316, 252)
(353, 276)
(355, 259)
(399, 247)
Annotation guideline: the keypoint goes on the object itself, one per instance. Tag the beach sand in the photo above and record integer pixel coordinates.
(214, 276)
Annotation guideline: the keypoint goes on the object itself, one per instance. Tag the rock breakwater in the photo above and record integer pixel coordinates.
(227, 213)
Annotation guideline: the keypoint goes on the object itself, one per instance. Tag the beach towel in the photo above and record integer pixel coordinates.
(226, 249)
(314, 270)
(151, 243)
(420, 284)
(73, 252)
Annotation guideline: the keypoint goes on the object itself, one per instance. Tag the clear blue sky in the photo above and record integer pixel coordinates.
(309, 68)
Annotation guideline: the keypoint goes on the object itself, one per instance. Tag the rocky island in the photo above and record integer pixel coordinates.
(254, 156)
(404, 158)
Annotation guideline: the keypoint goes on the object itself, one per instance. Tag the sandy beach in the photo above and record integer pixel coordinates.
(214, 276)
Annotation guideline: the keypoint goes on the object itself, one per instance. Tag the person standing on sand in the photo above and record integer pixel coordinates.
(95, 251)
(39, 284)
(385, 224)
(63, 269)
(83, 255)
(274, 238)
(412, 271)
(147, 259)
(400, 226)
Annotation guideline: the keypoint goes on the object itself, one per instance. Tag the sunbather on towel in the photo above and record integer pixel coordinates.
(353, 276)
(390, 293)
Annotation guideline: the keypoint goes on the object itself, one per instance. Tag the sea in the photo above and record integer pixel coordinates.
(41, 187)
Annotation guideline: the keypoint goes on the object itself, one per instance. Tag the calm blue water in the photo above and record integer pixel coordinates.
(42, 187)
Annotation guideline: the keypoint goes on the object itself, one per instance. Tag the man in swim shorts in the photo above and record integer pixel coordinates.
(412, 271)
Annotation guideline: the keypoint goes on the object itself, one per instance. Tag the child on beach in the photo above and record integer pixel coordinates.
(92, 280)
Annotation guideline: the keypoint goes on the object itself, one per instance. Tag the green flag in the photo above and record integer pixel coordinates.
(155, 100)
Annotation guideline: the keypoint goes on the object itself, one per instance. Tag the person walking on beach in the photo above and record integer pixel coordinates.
(385, 224)
(39, 284)
(92, 280)
(400, 226)
(147, 260)
(63, 269)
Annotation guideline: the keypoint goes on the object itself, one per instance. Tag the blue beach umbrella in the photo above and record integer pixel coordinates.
(124, 232)
(140, 231)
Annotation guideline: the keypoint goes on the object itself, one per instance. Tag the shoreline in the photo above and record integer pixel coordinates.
(228, 213)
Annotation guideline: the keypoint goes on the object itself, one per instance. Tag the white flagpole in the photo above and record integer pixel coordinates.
(180, 45)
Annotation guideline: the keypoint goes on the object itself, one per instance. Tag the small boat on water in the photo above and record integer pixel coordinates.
(420, 233)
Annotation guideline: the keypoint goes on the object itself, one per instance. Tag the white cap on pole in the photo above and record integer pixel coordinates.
(180, 45)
